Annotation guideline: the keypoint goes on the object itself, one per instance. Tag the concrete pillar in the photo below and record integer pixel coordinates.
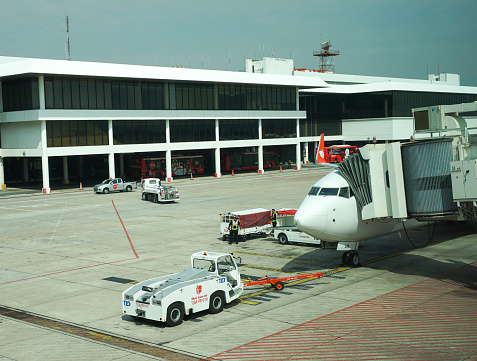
(260, 148)
(298, 145)
(26, 173)
(66, 179)
(218, 171)
(260, 159)
(121, 166)
(305, 153)
(112, 171)
(2, 176)
(45, 172)
(168, 153)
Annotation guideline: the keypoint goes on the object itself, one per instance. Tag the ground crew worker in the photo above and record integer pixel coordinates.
(234, 225)
(273, 218)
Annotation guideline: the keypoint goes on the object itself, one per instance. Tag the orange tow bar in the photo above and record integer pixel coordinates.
(277, 283)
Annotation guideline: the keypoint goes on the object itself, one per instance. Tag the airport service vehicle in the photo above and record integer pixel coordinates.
(211, 282)
(114, 185)
(152, 190)
(252, 221)
(286, 231)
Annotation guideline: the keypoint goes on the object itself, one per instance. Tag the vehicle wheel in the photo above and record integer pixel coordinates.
(282, 238)
(270, 165)
(144, 196)
(128, 189)
(217, 301)
(279, 286)
(106, 190)
(224, 237)
(175, 314)
(353, 259)
(155, 199)
(345, 259)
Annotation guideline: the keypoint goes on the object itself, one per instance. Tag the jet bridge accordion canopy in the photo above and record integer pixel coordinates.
(355, 170)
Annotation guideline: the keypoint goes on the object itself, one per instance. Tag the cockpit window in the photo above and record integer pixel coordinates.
(329, 191)
(314, 191)
(344, 192)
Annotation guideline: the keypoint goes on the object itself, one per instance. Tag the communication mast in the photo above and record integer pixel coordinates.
(68, 52)
(327, 64)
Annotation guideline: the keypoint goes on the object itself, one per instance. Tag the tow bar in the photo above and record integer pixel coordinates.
(277, 283)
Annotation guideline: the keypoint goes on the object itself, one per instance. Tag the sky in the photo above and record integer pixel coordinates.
(394, 38)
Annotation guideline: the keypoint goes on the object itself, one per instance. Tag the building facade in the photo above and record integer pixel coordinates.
(69, 120)
(63, 119)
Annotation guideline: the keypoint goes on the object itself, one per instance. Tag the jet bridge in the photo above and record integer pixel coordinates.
(430, 178)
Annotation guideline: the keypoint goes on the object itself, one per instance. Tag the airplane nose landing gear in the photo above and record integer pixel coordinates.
(350, 258)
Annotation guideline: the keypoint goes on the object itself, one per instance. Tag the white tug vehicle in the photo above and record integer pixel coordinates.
(213, 281)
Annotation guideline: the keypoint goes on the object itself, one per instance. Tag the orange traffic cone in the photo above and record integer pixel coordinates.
(233, 172)
(280, 168)
(191, 177)
(81, 186)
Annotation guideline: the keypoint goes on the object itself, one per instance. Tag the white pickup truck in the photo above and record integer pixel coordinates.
(287, 232)
(114, 185)
(152, 190)
(213, 281)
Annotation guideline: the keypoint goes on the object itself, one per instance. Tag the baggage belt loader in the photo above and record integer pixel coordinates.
(211, 282)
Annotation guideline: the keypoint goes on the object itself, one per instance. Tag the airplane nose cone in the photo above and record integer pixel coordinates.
(311, 217)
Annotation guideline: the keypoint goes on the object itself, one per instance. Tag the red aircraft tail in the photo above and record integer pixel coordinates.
(320, 153)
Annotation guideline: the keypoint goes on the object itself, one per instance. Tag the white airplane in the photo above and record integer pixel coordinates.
(330, 213)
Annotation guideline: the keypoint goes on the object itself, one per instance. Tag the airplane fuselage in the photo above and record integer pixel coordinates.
(330, 212)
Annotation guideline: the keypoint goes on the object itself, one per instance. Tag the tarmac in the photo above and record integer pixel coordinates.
(66, 258)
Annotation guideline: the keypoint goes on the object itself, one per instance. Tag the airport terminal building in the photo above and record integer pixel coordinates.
(70, 120)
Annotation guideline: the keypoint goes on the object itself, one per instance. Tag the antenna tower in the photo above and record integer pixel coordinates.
(327, 64)
(68, 52)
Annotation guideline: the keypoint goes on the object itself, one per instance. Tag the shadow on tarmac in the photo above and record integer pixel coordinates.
(384, 248)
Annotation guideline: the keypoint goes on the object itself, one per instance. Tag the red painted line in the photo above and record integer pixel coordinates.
(398, 325)
(79, 268)
(130, 242)
(69, 270)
